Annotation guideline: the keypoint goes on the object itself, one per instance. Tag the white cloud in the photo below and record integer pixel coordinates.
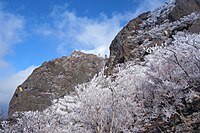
(149, 5)
(82, 33)
(11, 32)
(9, 84)
(92, 35)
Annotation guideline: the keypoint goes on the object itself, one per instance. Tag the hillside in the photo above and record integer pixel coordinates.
(54, 79)
(150, 84)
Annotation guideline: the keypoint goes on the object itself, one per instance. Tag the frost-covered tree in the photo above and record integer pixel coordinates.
(159, 93)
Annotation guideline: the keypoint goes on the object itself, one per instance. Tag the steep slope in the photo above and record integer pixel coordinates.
(160, 96)
(54, 79)
(134, 41)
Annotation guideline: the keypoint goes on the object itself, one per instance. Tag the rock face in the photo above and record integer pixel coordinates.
(157, 28)
(53, 80)
(134, 41)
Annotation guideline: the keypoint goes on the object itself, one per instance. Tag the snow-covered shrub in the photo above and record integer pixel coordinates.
(130, 100)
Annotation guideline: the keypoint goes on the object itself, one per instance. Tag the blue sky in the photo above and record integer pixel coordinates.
(33, 31)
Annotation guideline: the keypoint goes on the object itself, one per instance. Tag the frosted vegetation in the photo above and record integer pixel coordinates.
(129, 100)
(162, 12)
(163, 31)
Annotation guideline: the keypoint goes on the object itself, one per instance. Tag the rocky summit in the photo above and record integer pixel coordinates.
(151, 29)
(54, 79)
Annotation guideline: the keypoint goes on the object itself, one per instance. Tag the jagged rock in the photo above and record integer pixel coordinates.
(184, 8)
(157, 28)
(117, 51)
(53, 80)
(151, 29)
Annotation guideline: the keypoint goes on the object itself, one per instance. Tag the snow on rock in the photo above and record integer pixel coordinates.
(161, 12)
(160, 94)
(152, 29)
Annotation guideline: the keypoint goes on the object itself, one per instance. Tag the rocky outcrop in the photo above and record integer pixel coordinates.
(54, 79)
(134, 41)
(184, 8)
(157, 28)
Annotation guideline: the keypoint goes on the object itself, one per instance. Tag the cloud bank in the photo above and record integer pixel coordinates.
(91, 35)
(83, 33)
(11, 32)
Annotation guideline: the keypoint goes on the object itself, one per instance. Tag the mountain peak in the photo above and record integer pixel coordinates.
(137, 38)
(77, 53)
(53, 80)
